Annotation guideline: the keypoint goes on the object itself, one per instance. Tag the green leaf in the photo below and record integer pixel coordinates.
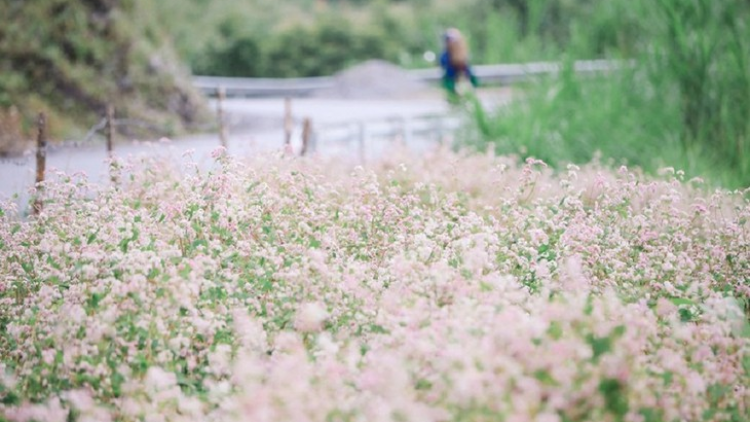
(599, 345)
(27, 267)
(117, 380)
(124, 244)
(589, 308)
(682, 302)
(686, 315)
(716, 392)
(198, 242)
(423, 384)
(10, 399)
(555, 330)
(618, 331)
(667, 378)
(94, 299)
(651, 415)
(615, 396)
(545, 377)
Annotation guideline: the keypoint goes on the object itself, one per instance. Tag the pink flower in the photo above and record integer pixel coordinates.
(547, 417)
(695, 383)
(310, 317)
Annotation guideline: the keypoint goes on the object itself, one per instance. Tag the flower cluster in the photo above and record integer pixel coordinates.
(447, 287)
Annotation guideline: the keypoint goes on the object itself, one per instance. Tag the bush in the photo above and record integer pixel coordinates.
(321, 49)
(242, 57)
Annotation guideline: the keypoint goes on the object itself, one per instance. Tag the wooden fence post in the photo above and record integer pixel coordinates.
(111, 142)
(110, 129)
(221, 96)
(41, 161)
(306, 135)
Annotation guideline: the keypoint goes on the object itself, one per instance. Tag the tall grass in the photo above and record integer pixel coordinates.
(571, 119)
(685, 103)
(703, 48)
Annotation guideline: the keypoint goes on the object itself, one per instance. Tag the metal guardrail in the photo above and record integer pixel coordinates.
(503, 74)
(372, 138)
(262, 87)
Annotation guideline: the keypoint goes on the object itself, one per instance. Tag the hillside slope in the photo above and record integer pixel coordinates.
(70, 58)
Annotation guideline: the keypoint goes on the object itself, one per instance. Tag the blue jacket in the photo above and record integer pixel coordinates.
(451, 71)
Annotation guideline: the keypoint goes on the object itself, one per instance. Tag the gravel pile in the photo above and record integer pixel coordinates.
(373, 79)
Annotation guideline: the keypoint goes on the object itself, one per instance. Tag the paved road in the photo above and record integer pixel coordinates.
(255, 127)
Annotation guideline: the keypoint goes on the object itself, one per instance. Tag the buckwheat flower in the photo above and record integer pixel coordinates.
(219, 360)
(547, 417)
(326, 345)
(218, 152)
(202, 326)
(476, 258)
(250, 332)
(51, 411)
(158, 379)
(85, 405)
(664, 307)
(48, 356)
(7, 379)
(191, 406)
(695, 383)
(310, 317)
(572, 276)
(541, 268)
(155, 417)
(288, 342)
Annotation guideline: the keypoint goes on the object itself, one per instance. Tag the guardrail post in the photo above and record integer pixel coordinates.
(439, 130)
(41, 161)
(221, 95)
(288, 123)
(361, 141)
(406, 128)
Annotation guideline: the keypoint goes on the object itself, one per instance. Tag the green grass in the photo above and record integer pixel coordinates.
(685, 104)
(572, 120)
(618, 119)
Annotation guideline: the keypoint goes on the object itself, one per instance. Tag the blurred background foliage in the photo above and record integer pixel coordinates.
(685, 102)
(70, 58)
(315, 37)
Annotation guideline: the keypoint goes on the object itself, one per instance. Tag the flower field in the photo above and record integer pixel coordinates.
(449, 287)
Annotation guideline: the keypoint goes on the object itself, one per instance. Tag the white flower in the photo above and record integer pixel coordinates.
(159, 379)
(310, 317)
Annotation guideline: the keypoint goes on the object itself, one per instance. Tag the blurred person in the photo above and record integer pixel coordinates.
(455, 62)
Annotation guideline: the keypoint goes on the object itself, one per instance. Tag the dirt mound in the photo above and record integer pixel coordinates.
(373, 79)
